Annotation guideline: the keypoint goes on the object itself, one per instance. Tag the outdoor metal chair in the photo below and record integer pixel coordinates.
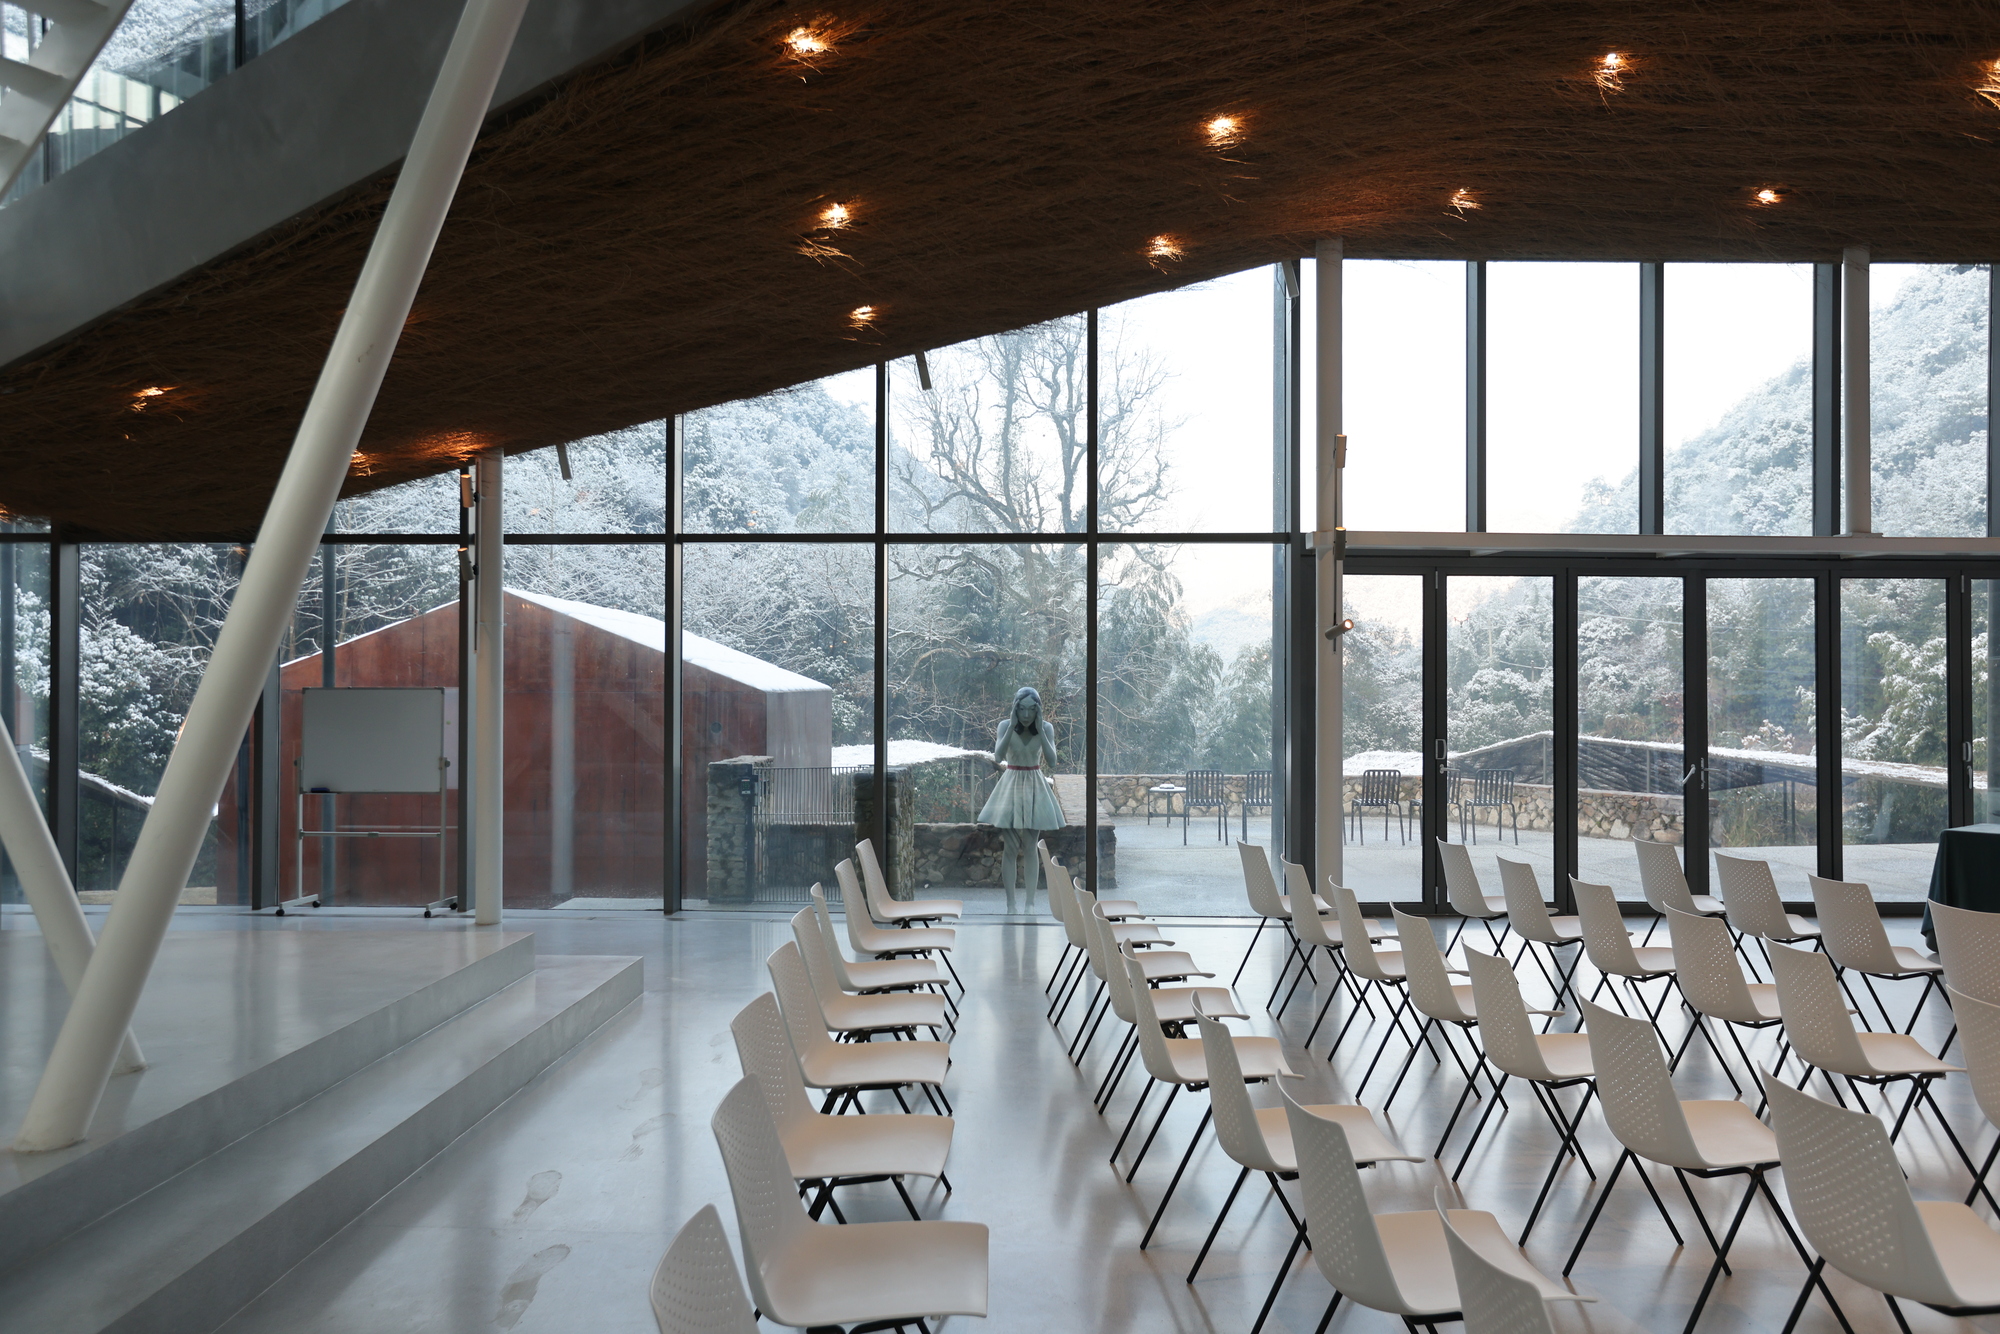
(1207, 790)
(1380, 789)
(1490, 789)
(1256, 792)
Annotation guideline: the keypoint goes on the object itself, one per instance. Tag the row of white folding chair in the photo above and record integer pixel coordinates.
(1063, 898)
(1125, 926)
(871, 941)
(843, 1071)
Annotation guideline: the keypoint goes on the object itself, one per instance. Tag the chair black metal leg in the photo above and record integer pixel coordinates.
(1595, 1210)
(1327, 1318)
(1154, 1133)
(1133, 1119)
(1174, 1185)
(908, 1203)
(1897, 1312)
(1702, 1218)
(1110, 1071)
(1979, 1177)
(1646, 1179)
(1930, 984)
(1262, 922)
(1221, 1214)
(1805, 1256)
(1284, 1272)
(1062, 963)
(1721, 1255)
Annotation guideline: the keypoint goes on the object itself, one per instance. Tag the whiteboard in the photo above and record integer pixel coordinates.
(371, 740)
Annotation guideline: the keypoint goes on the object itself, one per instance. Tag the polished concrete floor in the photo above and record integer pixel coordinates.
(550, 1215)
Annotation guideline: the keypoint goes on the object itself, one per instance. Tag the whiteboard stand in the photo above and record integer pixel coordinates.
(364, 740)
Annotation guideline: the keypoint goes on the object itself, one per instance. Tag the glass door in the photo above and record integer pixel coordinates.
(1762, 763)
(1631, 759)
(1498, 784)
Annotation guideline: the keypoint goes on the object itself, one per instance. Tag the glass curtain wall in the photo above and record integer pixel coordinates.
(24, 668)
(1894, 769)
(1762, 772)
(1500, 724)
(1630, 716)
(1382, 730)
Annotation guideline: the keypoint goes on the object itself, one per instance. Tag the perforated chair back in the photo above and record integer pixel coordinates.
(1258, 883)
(771, 1222)
(1312, 929)
(834, 956)
(1354, 942)
(1816, 1019)
(1850, 1197)
(1505, 1030)
(764, 1049)
(812, 949)
(1969, 946)
(1146, 1021)
(1527, 914)
(1236, 1127)
(853, 909)
(1605, 941)
(1636, 1090)
(1751, 896)
(1661, 879)
(1705, 966)
(1346, 1245)
(1491, 1300)
(803, 1020)
(1423, 964)
(696, 1289)
(1066, 903)
(872, 883)
(1979, 1032)
(1104, 956)
(1299, 888)
(1850, 927)
(1461, 882)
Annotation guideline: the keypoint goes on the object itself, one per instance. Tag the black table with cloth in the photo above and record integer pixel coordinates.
(1967, 872)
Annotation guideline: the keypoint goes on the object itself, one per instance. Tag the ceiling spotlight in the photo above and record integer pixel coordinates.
(1223, 131)
(1613, 60)
(1768, 196)
(861, 317)
(835, 216)
(144, 396)
(805, 42)
(1163, 247)
(1463, 200)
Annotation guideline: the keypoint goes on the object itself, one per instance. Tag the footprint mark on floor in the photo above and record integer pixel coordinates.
(648, 1081)
(519, 1294)
(542, 1187)
(639, 1132)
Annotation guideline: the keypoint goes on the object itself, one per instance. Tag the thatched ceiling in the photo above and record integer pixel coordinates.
(632, 246)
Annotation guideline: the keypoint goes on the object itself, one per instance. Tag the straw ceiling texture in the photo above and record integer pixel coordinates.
(631, 245)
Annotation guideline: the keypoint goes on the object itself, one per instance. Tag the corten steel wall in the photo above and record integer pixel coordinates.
(619, 707)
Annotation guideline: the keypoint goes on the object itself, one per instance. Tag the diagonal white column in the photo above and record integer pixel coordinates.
(80, 1065)
(46, 884)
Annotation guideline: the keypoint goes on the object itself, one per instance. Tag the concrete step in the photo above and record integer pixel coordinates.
(186, 1255)
(195, 1102)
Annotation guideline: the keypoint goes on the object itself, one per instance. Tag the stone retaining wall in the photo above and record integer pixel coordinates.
(969, 854)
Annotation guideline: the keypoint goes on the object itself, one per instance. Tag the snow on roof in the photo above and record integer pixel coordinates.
(900, 753)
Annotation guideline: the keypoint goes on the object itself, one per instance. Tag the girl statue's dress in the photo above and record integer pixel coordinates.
(1023, 802)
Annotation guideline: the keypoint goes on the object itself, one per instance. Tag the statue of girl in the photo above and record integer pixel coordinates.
(1023, 801)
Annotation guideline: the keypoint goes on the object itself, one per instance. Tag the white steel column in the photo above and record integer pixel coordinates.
(1855, 451)
(321, 454)
(489, 697)
(1329, 448)
(47, 885)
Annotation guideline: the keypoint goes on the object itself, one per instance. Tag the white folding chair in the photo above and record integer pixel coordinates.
(1713, 985)
(1062, 908)
(1665, 885)
(1611, 952)
(1381, 969)
(807, 1274)
(1545, 1061)
(1260, 886)
(867, 939)
(1312, 934)
(846, 1070)
(824, 1151)
(1174, 1007)
(1851, 934)
(898, 912)
(870, 977)
(1395, 1262)
(1817, 1025)
(1855, 1207)
(1980, 1022)
(1751, 897)
(860, 1016)
(1178, 1063)
(1493, 1297)
(696, 1289)
(1467, 899)
(1529, 917)
(1443, 1005)
(1078, 908)
(1968, 944)
(1259, 1139)
(1703, 1138)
